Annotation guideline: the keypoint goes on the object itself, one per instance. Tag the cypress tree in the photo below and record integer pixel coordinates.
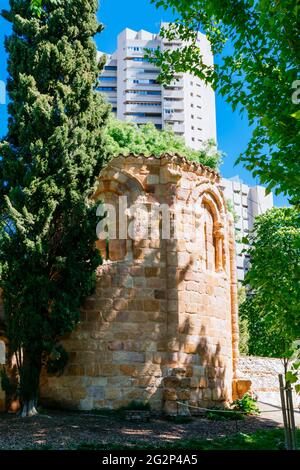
(50, 160)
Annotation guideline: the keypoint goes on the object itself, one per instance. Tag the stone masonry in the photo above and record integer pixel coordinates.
(160, 304)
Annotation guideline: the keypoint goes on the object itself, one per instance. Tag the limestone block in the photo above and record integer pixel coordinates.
(183, 394)
(2, 352)
(123, 357)
(169, 394)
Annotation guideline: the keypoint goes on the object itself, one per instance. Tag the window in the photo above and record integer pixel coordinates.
(143, 92)
(140, 71)
(191, 83)
(134, 48)
(213, 245)
(110, 67)
(192, 94)
(106, 88)
(144, 114)
(193, 139)
(209, 239)
(108, 79)
(140, 59)
(192, 128)
(142, 81)
(140, 103)
(192, 116)
(192, 105)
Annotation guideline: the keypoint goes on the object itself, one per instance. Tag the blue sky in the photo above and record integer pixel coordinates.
(233, 130)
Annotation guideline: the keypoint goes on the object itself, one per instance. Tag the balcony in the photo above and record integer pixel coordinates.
(142, 87)
(176, 127)
(139, 108)
(143, 119)
(142, 98)
(177, 83)
(174, 105)
(174, 116)
(134, 74)
(172, 93)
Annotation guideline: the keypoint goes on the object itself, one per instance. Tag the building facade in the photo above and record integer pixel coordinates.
(162, 325)
(247, 202)
(129, 81)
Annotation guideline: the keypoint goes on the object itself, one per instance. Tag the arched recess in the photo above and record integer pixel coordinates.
(119, 190)
(212, 216)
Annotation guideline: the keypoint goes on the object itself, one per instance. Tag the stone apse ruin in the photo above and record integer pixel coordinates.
(162, 325)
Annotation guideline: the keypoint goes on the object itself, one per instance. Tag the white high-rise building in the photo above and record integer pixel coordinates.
(248, 202)
(129, 81)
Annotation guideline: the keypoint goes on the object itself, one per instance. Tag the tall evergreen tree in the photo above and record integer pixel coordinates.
(51, 157)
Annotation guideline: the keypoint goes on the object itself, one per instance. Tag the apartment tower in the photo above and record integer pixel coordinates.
(129, 81)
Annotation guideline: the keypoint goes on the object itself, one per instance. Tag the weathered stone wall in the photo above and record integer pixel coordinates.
(159, 303)
(263, 373)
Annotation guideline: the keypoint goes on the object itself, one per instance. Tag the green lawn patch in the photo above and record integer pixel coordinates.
(259, 440)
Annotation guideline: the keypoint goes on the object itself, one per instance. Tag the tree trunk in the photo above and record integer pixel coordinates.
(29, 383)
(28, 409)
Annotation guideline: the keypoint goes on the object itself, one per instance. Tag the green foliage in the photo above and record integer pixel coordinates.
(243, 325)
(126, 137)
(293, 375)
(215, 414)
(243, 336)
(260, 440)
(247, 405)
(50, 160)
(237, 411)
(272, 308)
(37, 6)
(57, 360)
(258, 50)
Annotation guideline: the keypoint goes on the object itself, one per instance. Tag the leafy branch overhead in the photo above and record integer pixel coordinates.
(256, 45)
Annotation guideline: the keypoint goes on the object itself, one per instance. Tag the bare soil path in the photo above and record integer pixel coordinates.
(63, 430)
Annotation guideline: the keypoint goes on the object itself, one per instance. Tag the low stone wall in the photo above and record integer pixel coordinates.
(263, 372)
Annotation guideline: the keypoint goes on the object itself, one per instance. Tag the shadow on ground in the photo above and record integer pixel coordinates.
(61, 430)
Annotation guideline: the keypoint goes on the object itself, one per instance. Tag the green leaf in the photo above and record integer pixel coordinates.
(296, 115)
(291, 377)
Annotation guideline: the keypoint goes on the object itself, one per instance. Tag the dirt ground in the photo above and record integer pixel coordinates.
(65, 430)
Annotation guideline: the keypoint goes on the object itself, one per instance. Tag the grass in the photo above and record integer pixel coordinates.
(259, 440)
